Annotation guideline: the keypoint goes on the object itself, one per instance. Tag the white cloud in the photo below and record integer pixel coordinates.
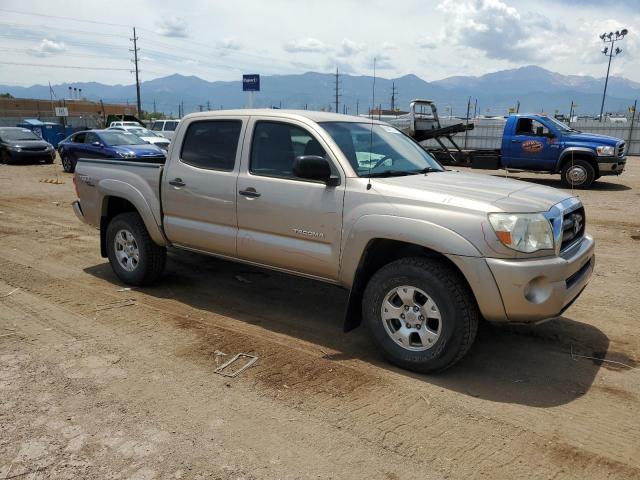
(349, 48)
(500, 31)
(47, 47)
(230, 44)
(173, 27)
(428, 43)
(305, 45)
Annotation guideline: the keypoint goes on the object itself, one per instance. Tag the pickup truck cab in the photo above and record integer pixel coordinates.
(544, 144)
(425, 252)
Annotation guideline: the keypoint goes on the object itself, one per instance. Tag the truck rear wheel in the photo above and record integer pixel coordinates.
(420, 313)
(134, 256)
(578, 173)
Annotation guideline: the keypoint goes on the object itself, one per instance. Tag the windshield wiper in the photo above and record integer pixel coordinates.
(423, 170)
(389, 173)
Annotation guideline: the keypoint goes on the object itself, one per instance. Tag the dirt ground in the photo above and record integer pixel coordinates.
(101, 381)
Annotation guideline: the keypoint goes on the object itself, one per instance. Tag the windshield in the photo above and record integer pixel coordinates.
(121, 138)
(380, 150)
(560, 126)
(18, 134)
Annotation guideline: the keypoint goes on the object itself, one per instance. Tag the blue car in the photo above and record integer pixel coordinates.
(111, 144)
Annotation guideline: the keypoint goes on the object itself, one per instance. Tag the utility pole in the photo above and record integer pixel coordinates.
(200, 107)
(357, 107)
(609, 51)
(475, 109)
(393, 96)
(135, 61)
(208, 105)
(337, 89)
(154, 106)
(182, 108)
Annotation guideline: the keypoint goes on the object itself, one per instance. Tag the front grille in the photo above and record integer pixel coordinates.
(34, 149)
(573, 227)
(621, 150)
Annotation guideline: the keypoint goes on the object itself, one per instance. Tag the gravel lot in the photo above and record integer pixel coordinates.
(99, 381)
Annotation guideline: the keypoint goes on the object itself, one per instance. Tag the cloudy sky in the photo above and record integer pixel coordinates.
(221, 39)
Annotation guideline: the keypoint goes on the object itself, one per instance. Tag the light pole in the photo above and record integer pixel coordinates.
(611, 38)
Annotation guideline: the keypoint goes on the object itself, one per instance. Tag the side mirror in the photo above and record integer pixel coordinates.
(314, 167)
(96, 144)
(540, 131)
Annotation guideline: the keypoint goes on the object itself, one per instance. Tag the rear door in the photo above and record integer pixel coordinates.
(530, 147)
(77, 148)
(284, 221)
(199, 186)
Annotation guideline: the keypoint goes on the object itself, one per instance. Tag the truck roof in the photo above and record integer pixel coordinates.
(312, 115)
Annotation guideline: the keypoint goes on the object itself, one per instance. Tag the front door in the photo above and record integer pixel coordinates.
(531, 147)
(199, 188)
(284, 221)
(91, 150)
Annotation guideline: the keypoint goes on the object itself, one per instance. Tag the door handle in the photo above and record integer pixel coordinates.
(249, 192)
(513, 140)
(177, 182)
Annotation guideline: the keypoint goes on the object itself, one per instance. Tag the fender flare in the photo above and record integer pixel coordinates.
(584, 151)
(411, 231)
(150, 217)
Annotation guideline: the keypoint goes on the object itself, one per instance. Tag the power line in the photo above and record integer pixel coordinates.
(65, 66)
(64, 18)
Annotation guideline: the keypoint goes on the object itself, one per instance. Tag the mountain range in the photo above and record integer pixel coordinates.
(536, 88)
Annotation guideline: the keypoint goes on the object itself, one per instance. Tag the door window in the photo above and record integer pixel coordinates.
(91, 137)
(531, 127)
(79, 138)
(211, 144)
(157, 126)
(170, 126)
(275, 146)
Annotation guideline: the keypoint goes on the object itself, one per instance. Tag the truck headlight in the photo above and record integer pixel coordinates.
(605, 151)
(523, 232)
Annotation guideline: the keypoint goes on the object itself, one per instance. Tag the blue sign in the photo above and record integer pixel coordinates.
(251, 83)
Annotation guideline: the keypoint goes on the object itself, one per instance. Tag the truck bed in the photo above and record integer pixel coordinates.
(97, 178)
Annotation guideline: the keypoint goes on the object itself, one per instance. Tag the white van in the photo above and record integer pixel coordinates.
(166, 128)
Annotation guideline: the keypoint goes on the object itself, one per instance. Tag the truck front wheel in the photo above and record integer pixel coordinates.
(134, 256)
(420, 313)
(578, 173)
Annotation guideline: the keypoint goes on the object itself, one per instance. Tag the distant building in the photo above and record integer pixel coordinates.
(82, 113)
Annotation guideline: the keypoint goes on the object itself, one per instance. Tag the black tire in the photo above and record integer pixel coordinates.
(578, 173)
(5, 157)
(456, 304)
(68, 164)
(151, 258)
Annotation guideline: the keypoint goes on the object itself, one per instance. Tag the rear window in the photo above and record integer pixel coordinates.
(211, 144)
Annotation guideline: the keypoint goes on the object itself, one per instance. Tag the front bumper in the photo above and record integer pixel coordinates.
(537, 289)
(77, 209)
(31, 156)
(611, 165)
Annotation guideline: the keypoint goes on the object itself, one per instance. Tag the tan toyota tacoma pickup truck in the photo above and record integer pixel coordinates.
(425, 252)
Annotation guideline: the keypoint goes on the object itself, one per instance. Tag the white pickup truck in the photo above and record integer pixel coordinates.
(425, 252)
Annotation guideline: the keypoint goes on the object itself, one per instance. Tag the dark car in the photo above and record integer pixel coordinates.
(21, 145)
(110, 144)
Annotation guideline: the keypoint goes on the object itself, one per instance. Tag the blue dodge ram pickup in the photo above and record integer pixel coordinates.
(539, 143)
